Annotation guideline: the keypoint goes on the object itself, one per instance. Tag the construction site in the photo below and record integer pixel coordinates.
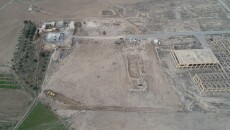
(111, 66)
(199, 74)
(140, 74)
(119, 65)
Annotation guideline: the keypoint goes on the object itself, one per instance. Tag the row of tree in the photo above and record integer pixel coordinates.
(26, 56)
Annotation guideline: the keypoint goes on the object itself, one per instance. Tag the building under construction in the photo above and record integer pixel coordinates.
(212, 82)
(218, 55)
(221, 49)
(194, 58)
(216, 82)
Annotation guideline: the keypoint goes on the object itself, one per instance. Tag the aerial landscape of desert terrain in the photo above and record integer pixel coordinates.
(118, 65)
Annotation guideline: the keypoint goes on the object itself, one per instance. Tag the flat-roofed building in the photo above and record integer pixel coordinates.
(55, 37)
(48, 27)
(194, 58)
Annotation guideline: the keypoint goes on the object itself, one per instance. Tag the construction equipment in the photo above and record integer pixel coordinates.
(50, 93)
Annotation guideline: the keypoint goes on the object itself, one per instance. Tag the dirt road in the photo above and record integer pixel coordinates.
(76, 105)
(122, 109)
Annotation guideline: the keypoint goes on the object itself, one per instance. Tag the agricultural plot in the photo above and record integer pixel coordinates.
(8, 81)
(13, 105)
(41, 118)
(7, 125)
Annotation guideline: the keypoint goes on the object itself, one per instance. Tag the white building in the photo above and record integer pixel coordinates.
(55, 37)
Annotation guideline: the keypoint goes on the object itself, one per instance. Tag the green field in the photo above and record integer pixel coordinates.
(42, 118)
(8, 81)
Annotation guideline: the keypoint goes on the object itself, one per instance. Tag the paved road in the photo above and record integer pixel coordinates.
(202, 40)
(168, 34)
(156, 35)
(200, 35)
(100, 37)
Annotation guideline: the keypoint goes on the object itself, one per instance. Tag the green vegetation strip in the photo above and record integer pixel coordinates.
(10, 86)
(8, 81)
(42, 118)
(5, 78)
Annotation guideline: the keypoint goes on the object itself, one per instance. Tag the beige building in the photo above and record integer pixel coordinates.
(194, 58)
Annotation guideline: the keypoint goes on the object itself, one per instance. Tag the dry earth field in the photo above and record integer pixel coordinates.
(150, 121)
(96, 73)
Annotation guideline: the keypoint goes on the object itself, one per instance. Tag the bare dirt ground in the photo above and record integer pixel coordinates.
(98, 90)
(149, 121)
(96, 73)
(177, 15)
(13, 104)
(92, 67)
(110, 27)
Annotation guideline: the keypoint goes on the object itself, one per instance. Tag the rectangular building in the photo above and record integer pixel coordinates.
(55, 37)
(194, 58)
